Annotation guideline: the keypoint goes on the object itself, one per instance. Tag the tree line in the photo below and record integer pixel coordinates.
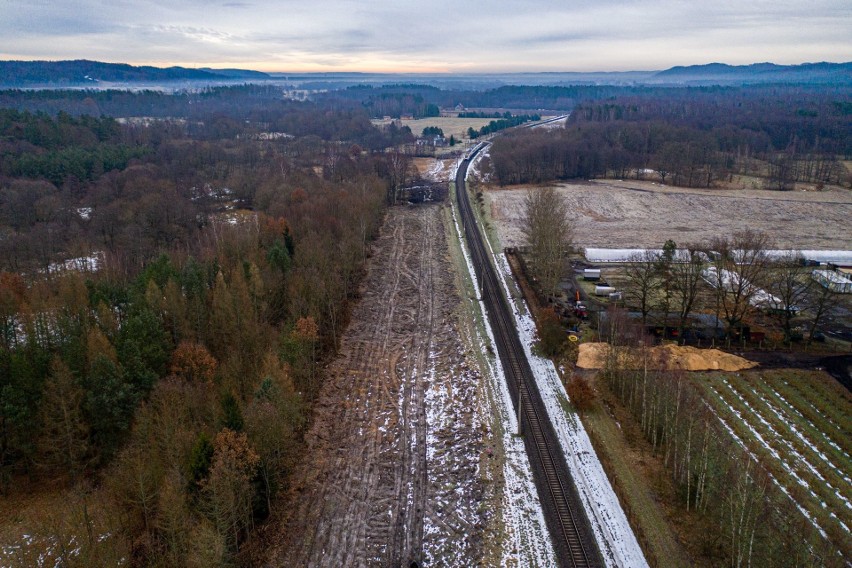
(784, 137)
(502, 124)
(212, 113)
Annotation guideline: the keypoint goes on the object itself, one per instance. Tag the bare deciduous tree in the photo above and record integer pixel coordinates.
(788, 279)
(685, 278)
(548, 232)
(819, 301)
(642, 280)
(740, 261)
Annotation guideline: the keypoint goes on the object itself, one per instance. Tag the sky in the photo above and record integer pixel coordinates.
(429, 36)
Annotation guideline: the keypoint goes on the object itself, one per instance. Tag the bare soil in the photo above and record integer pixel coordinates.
(633, 214)
(595, 355)
(391, 469)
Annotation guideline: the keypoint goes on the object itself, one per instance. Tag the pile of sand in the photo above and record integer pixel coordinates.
(594, 356)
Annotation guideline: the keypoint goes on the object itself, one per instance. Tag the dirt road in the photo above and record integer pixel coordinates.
(391, 471)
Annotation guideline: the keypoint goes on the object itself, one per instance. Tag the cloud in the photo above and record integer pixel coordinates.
(511, 35)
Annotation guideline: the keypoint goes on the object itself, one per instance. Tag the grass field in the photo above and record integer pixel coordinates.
(451, 125)
(797, 423)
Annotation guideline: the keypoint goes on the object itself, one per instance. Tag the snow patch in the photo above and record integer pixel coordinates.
(615, 537)
(527, 541)
(80, 264)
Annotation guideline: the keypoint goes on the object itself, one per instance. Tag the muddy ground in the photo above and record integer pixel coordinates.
(391, 474)
(632, 214)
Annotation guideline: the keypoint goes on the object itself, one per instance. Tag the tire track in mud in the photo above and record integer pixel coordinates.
(366, 495)
(414, 411)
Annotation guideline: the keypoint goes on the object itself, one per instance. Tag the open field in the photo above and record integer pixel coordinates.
(611, 213)
(433, 169)
(797, 424)
(451, 125)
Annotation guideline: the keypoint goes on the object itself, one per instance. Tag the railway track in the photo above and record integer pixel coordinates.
(566, 520)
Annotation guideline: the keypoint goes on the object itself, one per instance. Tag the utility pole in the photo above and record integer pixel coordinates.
(520, 406)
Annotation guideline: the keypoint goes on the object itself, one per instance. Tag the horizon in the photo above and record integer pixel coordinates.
(224, 67)
(387, 37)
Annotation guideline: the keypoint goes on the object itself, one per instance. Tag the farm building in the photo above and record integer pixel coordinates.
(730, 281)
(837, 257)
(435, 141)
(834, 281)
(699, 327)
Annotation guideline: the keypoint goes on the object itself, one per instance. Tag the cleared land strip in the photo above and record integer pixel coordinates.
(379, 486)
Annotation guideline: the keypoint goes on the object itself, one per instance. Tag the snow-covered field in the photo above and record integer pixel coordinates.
(803, 460)
(741, 443)
(81, 264)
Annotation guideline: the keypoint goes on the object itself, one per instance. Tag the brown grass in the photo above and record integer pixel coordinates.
(451, 125)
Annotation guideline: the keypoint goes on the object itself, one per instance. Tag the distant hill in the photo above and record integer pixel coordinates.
(82, 72)
(720, 73)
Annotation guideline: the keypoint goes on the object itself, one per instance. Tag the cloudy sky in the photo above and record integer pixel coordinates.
(428, 36)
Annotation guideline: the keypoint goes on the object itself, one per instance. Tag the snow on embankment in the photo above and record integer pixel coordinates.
(615, 538)
(527, 541)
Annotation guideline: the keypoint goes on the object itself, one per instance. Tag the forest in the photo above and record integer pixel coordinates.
(692, 138)
(168, 290)
(262, 101)
(507, 121)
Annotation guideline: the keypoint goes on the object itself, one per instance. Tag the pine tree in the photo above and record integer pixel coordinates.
(64, 437)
